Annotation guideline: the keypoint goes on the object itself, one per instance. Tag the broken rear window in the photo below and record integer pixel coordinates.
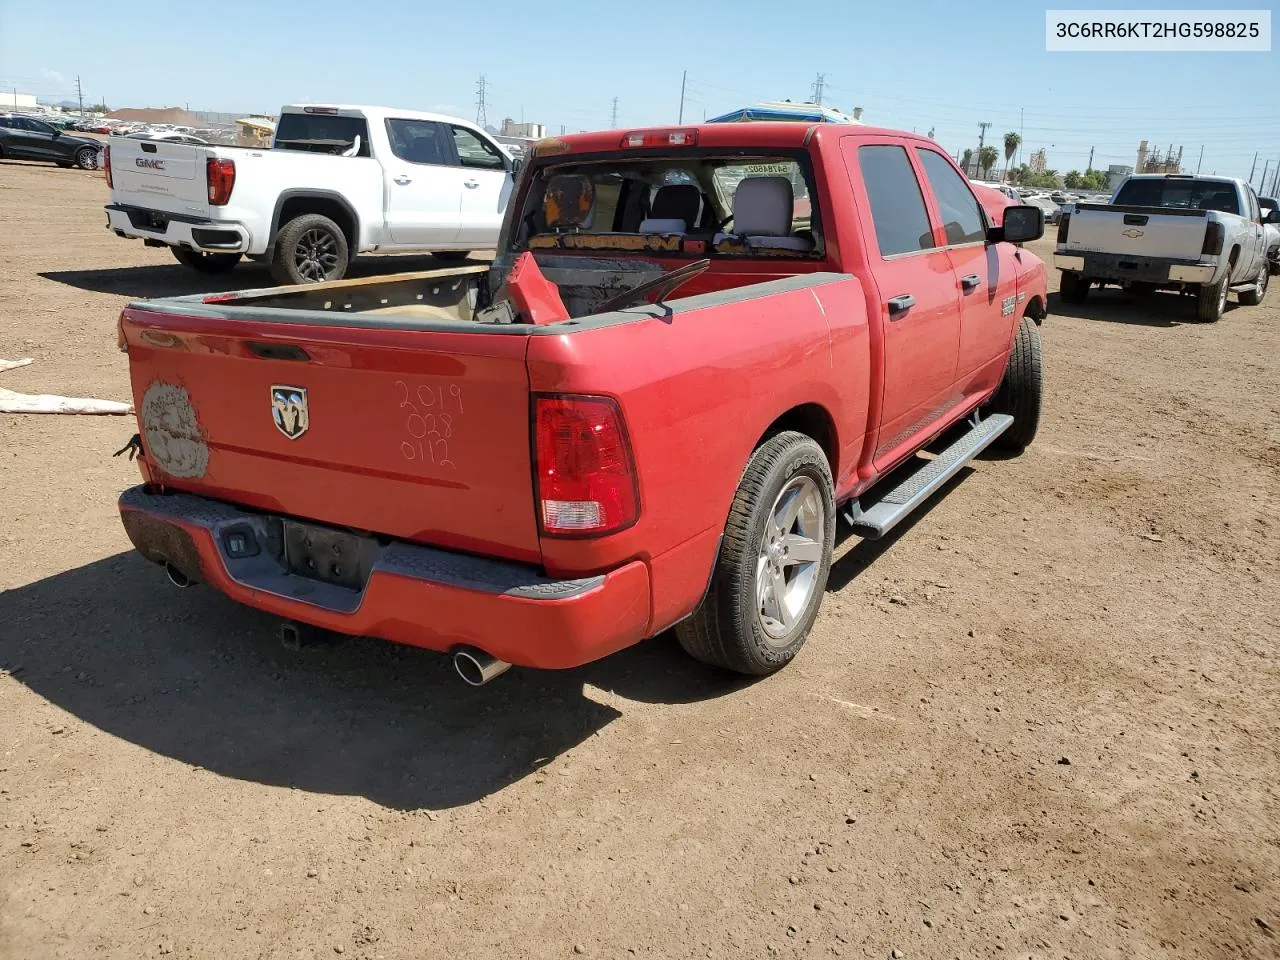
(700, 206)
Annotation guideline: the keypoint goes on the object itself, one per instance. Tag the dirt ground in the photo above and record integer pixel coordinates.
(1041, 721)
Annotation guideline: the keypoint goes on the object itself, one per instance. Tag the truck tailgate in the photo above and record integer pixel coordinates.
(159, 175)
(1160, 232)
(418, 435)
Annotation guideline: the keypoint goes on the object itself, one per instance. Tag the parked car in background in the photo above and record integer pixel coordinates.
(1200, 234)
(530, 462)
(26, 138)
(1052, 211)
(338, 181)
(167, 137)
(993, 201)
(1271, 226)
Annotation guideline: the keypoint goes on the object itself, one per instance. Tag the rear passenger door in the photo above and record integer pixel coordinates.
(423, 184)
(919, 304)
(985, 276)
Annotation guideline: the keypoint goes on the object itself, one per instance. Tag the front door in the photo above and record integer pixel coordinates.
(423, 184)
(919, 304)
(486, 187)
(985, 276)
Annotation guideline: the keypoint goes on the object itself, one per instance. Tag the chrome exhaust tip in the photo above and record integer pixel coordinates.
(176, 576)
(476, 667)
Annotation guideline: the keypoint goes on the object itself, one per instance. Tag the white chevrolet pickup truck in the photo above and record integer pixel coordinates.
(339, 181)
(1201, 235)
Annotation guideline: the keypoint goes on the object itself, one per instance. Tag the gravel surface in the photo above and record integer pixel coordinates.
(1041, 720)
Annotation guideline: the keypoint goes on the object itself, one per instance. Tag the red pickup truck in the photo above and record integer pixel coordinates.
(696, 350)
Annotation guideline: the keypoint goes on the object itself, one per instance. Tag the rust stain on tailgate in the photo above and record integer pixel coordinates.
(174, 439)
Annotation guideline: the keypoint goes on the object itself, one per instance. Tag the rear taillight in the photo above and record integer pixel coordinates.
(586, 479)
(106, 163)
(221, 175)
(1063, 224)
(1213, 237)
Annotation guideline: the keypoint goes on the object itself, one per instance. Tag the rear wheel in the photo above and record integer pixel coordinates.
(206, 262)
(1253, 296)
(87, 158)
(774, 561)
(309, 249)
(1211, 299)
(453, 256)
(1074, 289)
(1021, 389)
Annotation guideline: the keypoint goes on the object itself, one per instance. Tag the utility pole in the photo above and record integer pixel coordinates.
(683, 77)
(1022, 135)
(482, 118)
(982, 138)
(818, 85)
(1201, 160)
(79, 93)
(613, 122)
(1253, 167)
(1089, 168)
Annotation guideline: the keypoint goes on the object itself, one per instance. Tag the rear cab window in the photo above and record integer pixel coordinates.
(1179, 193)
(323, 133)
(696, 203)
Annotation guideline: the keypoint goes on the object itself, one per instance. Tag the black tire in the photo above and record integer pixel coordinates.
(309, 249)
(1255, 296)
(1211, 299)
(1074, 289)
(1020, 391)
(728, 629)
(206, 262)
(453, 256)
(87, 158)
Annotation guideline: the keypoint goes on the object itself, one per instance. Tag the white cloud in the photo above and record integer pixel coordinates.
(53, 76)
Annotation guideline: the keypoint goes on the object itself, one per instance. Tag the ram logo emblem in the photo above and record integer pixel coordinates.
(289, 410)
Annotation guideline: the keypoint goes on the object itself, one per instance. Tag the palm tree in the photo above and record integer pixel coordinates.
(987, 158)
(1011, 143)
(966, 160)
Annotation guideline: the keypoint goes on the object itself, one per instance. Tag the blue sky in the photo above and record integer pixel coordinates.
(911, 65)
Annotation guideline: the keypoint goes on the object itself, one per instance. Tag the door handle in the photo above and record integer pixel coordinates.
(472, 184)
(900, 305)
(969, 282)
(402, 179)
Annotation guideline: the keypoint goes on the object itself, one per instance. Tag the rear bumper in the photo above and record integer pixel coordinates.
(178, 230)
(1118, 268)
(414, 594)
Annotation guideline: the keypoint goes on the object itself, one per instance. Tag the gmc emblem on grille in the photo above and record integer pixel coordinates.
(152, 164)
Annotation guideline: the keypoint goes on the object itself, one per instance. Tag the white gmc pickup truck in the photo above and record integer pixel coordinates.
(339, 181)
(1202, 235)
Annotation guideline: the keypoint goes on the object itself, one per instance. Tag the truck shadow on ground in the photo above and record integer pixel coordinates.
(175, 280)
(195, 677)
(1113, 305)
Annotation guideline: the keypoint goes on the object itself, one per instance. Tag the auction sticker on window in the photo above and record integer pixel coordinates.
(1158, 30)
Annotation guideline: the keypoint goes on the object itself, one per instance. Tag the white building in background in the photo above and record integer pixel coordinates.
(1115, 173)
(12, 100)
(522, 131)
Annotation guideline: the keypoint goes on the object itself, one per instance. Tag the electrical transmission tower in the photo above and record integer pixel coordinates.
(613, 121)
(481, 119)
(818, 84)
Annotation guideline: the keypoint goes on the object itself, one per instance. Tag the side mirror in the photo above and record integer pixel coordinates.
(1022, 224)
(1273, 217)
(56, 133)
(517, 164)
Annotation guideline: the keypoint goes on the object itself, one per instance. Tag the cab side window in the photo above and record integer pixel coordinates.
(475, 152)
(419, 141)
(960, 210)
(897, 205)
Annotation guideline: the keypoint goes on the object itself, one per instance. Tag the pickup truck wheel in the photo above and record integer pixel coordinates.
(1211, 299)
(452, 256)
(309, 249)
(1251, 298)
(1074, 289)
(1020, 391)
(774, 561)
(205, 262)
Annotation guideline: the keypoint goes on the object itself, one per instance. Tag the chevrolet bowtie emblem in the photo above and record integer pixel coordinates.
(1133, 234)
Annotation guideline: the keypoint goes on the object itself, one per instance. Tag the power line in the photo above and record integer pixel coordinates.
(817, 88)
(482, 119)
(683, 79)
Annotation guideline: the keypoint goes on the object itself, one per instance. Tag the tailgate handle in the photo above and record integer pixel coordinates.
(1135, 220)
(149, 148)
(277, 351)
